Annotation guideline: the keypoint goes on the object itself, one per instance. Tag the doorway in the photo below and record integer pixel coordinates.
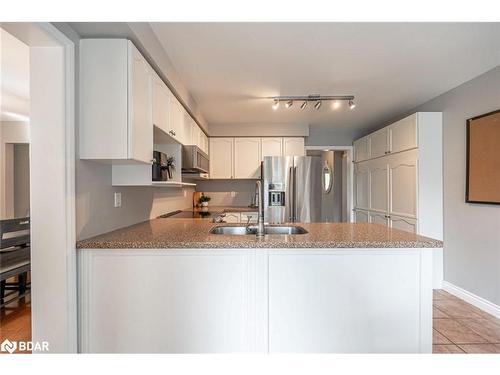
(51, 225)
(15, 265)
(336, 198)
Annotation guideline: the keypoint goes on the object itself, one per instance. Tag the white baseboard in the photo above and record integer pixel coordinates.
(471, 298)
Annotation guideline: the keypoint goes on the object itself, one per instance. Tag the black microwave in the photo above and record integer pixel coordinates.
(194, 160)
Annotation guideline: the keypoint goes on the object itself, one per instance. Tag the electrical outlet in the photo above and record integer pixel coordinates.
(185, 193)
(118, 199)
(233, 194)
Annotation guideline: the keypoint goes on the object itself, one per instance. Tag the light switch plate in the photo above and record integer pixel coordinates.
(233, 194)
(118, 199)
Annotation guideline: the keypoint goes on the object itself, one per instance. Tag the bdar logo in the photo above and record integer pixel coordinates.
(8, 346)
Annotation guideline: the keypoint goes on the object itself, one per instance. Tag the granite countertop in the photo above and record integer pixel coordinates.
(173, 233)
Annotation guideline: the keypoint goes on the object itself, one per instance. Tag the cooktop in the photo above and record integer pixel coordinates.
(188, 214)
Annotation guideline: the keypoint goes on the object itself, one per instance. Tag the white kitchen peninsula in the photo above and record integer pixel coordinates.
(168, 286)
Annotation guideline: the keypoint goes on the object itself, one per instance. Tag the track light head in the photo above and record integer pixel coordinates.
(318, 104)
(351, 104)
(335, 104)
(276, 104)
(303, 105)
(289, 103)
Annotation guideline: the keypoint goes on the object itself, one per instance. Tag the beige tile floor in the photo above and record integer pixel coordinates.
(459, 327)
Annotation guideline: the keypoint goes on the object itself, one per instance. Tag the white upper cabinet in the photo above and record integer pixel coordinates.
(379, 143)
(195, 134)
(186, 135)
(361, 149)
(161, 104)
(140, 127)
(247, 157)
(272, 147)
(115, 102)
(293, 146)
(176, 119)
(204, 142)
(221, 158)
(403, 134)
(397, 137)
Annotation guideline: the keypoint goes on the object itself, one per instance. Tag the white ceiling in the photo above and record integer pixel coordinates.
(390, 67)
(14, 78)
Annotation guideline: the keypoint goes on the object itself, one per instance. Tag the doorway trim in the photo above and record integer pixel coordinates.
(350, 174)
(54, 306)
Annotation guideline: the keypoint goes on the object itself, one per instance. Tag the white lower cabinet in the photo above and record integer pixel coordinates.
(233, 217)
(345, 303)
(361, 216)
(379, 218)
(249, 217)
(403, 223)
(255, 300)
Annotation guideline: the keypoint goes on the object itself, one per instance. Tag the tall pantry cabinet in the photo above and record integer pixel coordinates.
(398, 178)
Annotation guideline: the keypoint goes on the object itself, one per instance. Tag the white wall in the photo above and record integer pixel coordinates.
(471, 231)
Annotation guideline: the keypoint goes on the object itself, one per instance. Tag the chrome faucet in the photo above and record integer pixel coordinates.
(260, 218)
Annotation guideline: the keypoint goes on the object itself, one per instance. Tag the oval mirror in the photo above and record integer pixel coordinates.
(327, 178)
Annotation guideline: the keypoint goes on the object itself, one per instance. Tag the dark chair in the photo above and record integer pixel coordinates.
(15, 254)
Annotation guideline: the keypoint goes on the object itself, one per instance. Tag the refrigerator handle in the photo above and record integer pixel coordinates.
(294, 194)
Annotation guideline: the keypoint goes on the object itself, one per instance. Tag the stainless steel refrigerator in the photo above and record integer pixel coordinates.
(292, 189)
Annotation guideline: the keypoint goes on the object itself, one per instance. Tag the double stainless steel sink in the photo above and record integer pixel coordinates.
(268, 229)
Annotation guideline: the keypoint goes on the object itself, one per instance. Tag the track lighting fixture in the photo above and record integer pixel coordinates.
(317, 99)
